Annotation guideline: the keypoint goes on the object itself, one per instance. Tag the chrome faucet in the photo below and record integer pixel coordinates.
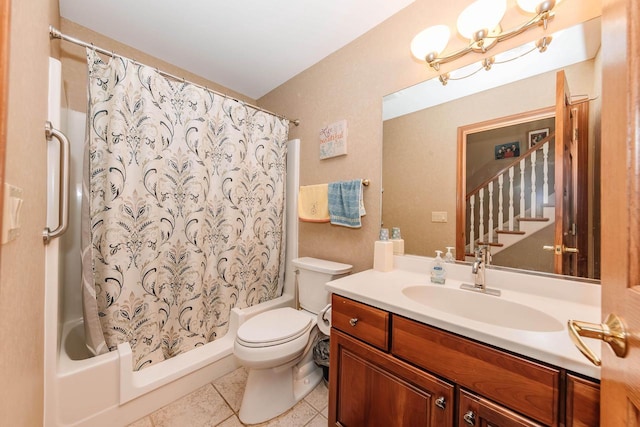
(478, 269)
(483, 258)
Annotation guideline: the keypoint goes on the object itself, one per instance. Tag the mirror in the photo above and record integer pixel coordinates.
(422, 124)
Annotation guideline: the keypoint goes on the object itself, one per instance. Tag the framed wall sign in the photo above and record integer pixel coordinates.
(333, 140)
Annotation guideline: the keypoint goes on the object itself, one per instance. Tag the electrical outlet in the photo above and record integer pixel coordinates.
(438, 217)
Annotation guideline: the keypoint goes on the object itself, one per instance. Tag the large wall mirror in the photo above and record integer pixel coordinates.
(494, 114)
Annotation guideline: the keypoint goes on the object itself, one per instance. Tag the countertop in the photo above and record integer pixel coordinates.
(559, 298)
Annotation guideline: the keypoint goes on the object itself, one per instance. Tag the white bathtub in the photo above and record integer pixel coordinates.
(104, 391)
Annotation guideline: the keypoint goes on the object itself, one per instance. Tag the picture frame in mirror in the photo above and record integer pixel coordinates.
(535, 136)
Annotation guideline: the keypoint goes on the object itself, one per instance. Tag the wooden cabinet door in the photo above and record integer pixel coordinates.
(477, 411)
(370, 388)
(583, 402)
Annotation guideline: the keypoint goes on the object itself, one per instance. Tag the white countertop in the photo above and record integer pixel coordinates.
(561, 299)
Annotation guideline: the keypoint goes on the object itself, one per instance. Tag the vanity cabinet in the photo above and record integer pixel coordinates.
(372, 387)
(414, 374)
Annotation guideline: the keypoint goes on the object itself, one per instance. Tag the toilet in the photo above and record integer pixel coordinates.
(275, 346)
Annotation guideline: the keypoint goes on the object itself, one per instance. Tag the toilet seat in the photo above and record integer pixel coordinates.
(274, 327)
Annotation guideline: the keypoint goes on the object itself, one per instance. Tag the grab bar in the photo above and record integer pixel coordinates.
(50, 132)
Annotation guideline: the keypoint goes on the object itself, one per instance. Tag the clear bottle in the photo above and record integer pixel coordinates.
(448, 257)
(438, 272)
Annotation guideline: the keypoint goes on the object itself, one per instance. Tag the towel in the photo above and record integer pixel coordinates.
(313, 205)
(346, 205)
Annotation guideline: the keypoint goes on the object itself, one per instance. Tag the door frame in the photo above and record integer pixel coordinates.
(5, 23)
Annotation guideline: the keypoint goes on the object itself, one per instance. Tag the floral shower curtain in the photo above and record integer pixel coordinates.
(184, 194)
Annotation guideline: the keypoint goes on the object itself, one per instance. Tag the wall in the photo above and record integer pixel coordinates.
(350, 84)
(22, 269)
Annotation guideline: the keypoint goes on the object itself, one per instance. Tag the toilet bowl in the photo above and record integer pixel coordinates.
(275, 346)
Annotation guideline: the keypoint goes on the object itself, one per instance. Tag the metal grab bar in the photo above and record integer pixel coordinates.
(50, 132)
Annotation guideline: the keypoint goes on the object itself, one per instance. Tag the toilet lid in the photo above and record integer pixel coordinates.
(274, 327)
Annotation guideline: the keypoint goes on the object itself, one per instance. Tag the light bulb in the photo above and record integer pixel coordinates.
(481, 15)
(432, 40)
(531, 6)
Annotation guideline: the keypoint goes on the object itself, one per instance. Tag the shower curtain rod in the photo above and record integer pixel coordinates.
(54, 33)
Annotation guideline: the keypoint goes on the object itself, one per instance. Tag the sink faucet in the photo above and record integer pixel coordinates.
(478, 269)
(483, 258)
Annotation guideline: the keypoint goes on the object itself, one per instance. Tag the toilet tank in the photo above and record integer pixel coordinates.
(313, 273)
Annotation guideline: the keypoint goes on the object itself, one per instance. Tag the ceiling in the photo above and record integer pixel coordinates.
(249, 46)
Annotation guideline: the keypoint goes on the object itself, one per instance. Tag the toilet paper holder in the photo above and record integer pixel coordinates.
(324, 319)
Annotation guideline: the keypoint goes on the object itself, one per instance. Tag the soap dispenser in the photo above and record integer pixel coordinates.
(438, 272)
(448, 257)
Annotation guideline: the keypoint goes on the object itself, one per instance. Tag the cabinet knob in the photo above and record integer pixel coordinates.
(353, 321)
(441, 402)
(470, 418)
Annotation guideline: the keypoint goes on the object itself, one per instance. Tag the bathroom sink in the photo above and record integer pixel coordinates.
(483, 308)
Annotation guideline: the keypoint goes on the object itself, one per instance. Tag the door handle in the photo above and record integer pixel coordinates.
(560, 249)
(612, 331)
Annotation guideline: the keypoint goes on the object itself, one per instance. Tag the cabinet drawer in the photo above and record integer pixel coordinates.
(527, 387)
(364, 322)
(477, 411)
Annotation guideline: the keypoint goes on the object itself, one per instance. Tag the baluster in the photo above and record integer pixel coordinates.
(545, 185)
(490, 225)
(481, 215)
(533, 185)
(522, 167)
(472, 232)
(500, 200)
(511, 198)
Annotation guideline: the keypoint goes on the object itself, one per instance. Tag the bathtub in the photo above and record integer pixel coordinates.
(80, 390)
(105, 391)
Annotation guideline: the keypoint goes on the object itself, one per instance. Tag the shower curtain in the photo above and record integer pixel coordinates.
(184, 202)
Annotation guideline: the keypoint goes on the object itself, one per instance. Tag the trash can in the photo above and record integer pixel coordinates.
(321, 355)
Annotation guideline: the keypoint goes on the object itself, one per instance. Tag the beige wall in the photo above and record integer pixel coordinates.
(350, 84)
(22, 268)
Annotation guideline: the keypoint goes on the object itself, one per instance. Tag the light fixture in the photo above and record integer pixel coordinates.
(488, 62)
(480, 24)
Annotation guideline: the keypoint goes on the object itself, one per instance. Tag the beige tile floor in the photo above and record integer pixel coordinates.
(217, 404)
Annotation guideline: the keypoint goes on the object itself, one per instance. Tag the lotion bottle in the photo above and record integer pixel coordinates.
(448, 257)
(383, 252)
(438, 272)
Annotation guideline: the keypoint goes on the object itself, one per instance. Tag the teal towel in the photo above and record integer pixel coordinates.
(346, 205)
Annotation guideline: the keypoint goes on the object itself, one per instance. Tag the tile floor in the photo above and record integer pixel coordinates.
(217, 404)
